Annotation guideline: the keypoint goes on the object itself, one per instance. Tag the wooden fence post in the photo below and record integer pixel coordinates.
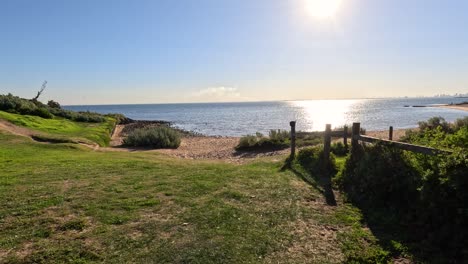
(326, 144)
(355, 136)
(293, 138)
(390, 133)
(345, 136)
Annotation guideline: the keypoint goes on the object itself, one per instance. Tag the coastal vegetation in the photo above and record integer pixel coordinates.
(419, 201)
(277, 140)
(14, 104)
(154, 137)
(312, 160)
(339, 149)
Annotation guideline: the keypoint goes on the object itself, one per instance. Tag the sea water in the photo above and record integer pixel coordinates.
(237, 119)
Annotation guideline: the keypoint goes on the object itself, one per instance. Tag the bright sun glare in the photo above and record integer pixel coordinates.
(323, 9)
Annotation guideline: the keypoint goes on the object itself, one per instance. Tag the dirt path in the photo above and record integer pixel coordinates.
(117, 139)
(15, 130)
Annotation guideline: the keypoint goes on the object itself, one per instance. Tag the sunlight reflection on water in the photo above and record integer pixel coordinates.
(315, 114)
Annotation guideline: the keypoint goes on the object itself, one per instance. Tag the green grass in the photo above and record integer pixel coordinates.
(60, 129)
(63, 203)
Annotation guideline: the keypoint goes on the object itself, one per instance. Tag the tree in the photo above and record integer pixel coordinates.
(44, 85)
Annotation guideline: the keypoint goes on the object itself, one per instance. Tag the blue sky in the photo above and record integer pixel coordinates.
(162, 51)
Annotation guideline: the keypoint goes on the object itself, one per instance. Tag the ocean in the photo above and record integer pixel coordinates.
(237, 119)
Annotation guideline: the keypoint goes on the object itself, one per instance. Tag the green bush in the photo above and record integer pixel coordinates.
(42, 112)
(247, 142)
(17, 105)
(460, 123)
(279, 135)
(308, 138)
(339, 149)
(443, 201)
(53, 104)
(439, 137)
(278, 139)
(120, 118)
(433, 123)
(154, 137)
(379, 177)
(425, 197)
(312, 160)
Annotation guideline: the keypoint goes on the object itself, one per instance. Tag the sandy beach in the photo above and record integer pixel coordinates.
(463, 107)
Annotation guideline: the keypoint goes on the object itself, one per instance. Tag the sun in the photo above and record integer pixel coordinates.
(322, 9)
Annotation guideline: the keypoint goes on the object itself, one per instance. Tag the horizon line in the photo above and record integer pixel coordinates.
(261, 101)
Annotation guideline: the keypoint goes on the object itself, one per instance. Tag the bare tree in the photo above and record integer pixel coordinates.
(44, 85)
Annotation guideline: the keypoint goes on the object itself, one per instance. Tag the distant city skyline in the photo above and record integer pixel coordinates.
(133, 52)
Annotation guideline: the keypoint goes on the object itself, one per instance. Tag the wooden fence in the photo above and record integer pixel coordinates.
(356, 137)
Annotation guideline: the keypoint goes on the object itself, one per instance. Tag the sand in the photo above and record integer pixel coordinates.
(397, 134)
(463, 107)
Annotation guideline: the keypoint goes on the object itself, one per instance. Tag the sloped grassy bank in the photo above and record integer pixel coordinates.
(61, 129)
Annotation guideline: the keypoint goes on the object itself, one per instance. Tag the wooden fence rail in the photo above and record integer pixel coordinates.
(356, 137)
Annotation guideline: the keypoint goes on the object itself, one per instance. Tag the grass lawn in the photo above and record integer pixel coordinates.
(63, 203)
(62, 129)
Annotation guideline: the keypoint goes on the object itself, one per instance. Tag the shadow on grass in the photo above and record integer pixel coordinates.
(408, 240)
(252, 153)
(322, 183)
(406, 228)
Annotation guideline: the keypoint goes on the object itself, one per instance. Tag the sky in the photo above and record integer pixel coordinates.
(172, 51)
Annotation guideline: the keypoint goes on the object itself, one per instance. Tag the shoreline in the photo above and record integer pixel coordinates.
(462, 107)
(221, 148)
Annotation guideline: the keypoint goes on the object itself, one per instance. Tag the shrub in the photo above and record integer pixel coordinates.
(42, 112)
(277, 140)
(339, 149)
(247, 142)
(17, 105)
(312, 160)
(379, 177)
(88, 117)
(424, 196)
(278, 135)
(437, 137)
(154, 137)
(7, 102)
(443, 204)
(53, 104)
(460, 123)
(433, 123)
(120, 119)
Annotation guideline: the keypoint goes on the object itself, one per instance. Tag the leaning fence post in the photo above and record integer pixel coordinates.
(355, 136)
(293, 138)
(327, 143)
(345, 136)
(390, 133)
